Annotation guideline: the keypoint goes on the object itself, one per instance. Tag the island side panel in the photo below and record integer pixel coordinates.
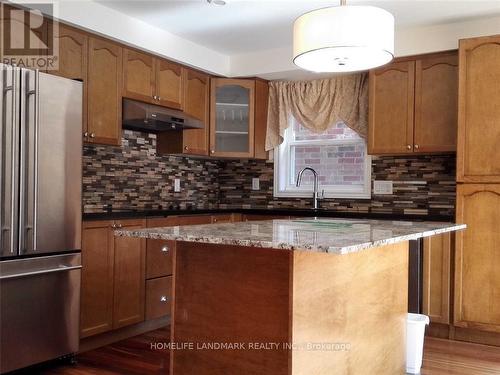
(231, 294)
(360, 299)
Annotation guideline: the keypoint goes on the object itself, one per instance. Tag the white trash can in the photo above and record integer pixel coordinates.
(415, 331)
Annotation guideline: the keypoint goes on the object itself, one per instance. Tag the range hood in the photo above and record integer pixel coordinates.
(154, 118)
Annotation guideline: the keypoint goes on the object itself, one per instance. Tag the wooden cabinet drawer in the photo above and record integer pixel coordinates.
(159, 255)
(158, 297)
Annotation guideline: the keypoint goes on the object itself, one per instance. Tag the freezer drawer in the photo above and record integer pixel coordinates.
(39, 309)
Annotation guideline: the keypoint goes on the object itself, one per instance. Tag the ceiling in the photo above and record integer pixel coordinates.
(247, 26)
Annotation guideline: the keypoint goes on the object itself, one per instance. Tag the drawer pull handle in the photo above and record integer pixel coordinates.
(165, 249)
(163, 299)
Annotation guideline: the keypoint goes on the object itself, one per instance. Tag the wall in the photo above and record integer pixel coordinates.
(133, 176)
(422, 185)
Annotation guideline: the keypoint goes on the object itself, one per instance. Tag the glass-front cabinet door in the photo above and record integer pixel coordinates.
(232, 118)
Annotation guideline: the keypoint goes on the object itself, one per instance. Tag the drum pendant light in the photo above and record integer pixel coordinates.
(344, 38)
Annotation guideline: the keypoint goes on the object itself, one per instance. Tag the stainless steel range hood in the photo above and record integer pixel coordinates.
(154, 118)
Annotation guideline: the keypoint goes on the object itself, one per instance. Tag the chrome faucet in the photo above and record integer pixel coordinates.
(315, 186)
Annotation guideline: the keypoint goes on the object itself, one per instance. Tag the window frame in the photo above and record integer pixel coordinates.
(283, 159)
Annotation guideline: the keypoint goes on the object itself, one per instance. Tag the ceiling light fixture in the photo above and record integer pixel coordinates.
(343, 38)
(217, 2)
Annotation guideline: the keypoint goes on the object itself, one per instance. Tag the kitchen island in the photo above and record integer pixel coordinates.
(305, 296)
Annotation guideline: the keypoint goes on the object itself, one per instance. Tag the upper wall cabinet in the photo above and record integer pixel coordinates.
(413, 105)
(169, 84)
(391, 108)
(196, 102)
(104, 92)
(152, 80)
(436, 103)
(138, 75)
(72, 63)
(232, 118)
(73, 49)
(478, 157)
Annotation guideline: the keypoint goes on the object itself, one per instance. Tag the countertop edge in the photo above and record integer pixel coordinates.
(285, 246)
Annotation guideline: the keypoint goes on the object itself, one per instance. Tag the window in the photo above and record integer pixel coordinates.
(339, 157)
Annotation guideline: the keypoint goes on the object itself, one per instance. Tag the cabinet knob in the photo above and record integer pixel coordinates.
(408, 147)
(154, 97)
(92, 135)
(163, 299)
(215, 220)
(212, 151)
(165, 249)
(158, 98)
(416, 147)
(186, 148)
(86, 134)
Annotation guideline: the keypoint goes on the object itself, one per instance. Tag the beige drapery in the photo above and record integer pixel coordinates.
(317, 105)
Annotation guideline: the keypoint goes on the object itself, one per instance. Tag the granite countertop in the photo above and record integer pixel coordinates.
(336, 236)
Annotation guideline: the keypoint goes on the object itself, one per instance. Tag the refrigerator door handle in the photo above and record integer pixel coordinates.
(29, 160)
(9, 160)
(41, 272)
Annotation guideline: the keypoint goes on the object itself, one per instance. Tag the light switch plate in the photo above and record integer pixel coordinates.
(255, 183)
(382, 187)
(177, 185)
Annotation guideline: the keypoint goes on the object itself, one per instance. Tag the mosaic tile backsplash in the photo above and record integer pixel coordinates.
(133, 176)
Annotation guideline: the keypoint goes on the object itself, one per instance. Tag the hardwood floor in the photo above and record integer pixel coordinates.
(445, 357)
(134, 356)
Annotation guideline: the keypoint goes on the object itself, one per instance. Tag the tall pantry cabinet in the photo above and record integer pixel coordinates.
(477, 255)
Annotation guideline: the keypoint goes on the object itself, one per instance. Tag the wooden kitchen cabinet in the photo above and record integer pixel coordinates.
(138, 75)
(113, 277)
(158, 297)
(196, 104)
(477, 255)
(73, 51)
(72, 62)
(96, 311)
(391, 108)
(260, 120)
(413, 105)
(232, 117)
(104, 92)
(159, 257)
(152, 80)
(436, 103)
(129, 276)
(478, 156)
(169, 84)
(437, 278)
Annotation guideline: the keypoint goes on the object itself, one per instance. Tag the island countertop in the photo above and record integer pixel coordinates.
(336, 236)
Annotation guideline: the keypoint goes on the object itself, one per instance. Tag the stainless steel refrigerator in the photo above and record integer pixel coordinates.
(40, 216)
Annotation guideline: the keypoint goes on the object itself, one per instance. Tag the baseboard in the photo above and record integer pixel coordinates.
(438, 330)
(472, 335)
(103, 339)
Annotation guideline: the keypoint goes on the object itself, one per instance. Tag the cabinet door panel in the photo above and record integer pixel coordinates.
(104, 92)
(478, 158)
(158, 297)
(391, 109)
(73, 49)
(169, 84)
(196, 94)
(477, 279)
(159, 258)
(232, 117)
(129, 277)
(436, 103)
(138, 75)
(73, 53)
(97, 278)
(436, 293)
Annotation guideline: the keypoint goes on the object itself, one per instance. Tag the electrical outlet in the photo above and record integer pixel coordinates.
(382, 187)
(177, 185)
(255, 184)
